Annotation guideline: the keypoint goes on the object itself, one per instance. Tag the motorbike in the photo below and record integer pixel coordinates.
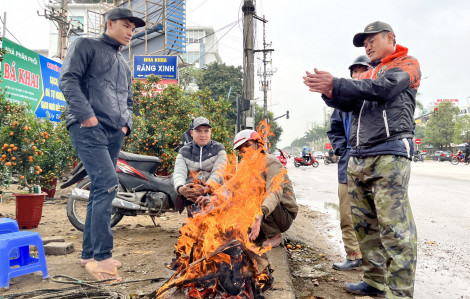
(300, 161)
(140, 191)
(329, 160)
(417, 156)
(457, 158)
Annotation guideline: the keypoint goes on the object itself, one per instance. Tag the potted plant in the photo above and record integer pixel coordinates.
(59, 155)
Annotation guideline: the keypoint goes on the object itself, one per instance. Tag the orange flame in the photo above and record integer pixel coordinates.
(264, 130)
(228, 216)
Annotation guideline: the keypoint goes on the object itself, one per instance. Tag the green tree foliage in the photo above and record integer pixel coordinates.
(218, 78)
(439, 131)
(276, 130)
(462, 129)
(419, 132)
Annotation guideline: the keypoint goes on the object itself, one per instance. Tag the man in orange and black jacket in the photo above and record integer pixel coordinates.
(382, 103)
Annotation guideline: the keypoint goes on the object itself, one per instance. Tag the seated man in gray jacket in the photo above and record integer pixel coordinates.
(197, 163)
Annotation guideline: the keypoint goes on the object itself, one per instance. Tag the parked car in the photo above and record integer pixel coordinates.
(318, 155)
(281, 156)
(442, 156)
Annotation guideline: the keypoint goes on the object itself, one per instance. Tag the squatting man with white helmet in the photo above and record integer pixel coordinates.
(280, 208)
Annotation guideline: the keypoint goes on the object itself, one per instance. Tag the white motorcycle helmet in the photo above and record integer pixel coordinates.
(244, 136)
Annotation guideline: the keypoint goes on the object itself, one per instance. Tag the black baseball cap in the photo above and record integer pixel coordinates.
(201, 121)
(372, 28)
(119, 13)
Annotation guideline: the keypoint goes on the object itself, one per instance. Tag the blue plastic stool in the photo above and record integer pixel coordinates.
(24, 263)
(8, 225)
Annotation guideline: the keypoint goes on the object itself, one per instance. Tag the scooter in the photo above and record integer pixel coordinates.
(300, 161)
(457, 158)
(328, 160)
(140, 191)
(417, 156)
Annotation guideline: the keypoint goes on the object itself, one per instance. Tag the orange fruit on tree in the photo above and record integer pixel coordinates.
(34, 147)
(22, 177)
(13, 158)
(8, 164)
(12, 133)
(9, 150)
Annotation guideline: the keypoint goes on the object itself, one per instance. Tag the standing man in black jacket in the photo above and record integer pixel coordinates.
(96, 82)
(383, 104)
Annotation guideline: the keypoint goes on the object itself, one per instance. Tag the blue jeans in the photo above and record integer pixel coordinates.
(98, 148)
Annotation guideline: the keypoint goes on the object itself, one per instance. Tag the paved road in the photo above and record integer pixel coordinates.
(440, 198)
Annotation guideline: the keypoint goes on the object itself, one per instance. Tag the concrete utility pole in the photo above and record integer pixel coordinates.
(64, 26)
(62, 32)
(248, 9)
(4, 23)
(266, 73)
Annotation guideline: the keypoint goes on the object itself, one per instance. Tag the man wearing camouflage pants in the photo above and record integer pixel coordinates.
(382, 103)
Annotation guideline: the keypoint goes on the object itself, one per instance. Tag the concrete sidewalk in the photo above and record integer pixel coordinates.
(282, 287)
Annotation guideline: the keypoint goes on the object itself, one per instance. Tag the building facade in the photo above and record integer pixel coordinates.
(201, 46)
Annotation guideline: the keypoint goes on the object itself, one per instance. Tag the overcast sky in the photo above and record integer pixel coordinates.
(311, 33)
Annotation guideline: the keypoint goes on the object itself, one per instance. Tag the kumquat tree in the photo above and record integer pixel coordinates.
(160, 119)
(21, 142)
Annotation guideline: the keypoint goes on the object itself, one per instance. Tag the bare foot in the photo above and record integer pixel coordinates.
(83, 262)
(103, 270)
(274, 241)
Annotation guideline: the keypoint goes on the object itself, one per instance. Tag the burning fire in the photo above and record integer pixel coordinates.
(214, 254)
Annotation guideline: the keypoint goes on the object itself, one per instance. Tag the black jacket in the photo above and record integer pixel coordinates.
(96, 81)
(382, 104)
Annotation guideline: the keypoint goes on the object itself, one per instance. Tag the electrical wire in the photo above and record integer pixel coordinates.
(80, 289)
(228, 25)
(9, 31)
(197, 7)
(216, 42)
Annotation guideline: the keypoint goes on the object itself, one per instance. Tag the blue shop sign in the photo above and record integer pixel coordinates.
(164, 66)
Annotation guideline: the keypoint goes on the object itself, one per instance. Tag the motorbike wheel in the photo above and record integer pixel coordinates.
(454, 161)
(315, 164)
(415, 159)
(326, 161)
(76, 209)
(296, 164)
